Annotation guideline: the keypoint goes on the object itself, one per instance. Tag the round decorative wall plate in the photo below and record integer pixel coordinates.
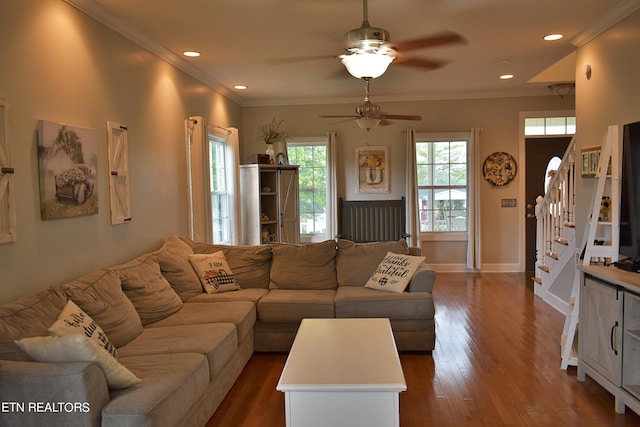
(499, 168)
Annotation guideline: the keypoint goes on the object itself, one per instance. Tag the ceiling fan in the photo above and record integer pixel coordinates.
(368, 114)
(369, 50)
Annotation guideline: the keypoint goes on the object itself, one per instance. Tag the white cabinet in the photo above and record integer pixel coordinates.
(631, 344)
(602, 318)
(609, 333)
(270, 204)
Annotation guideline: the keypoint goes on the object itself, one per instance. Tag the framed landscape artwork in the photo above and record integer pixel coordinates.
(372, 168)
(68, 162)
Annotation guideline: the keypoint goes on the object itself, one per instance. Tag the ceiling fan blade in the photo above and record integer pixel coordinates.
(446, 37)
(297, 59)
(430, 64)
(338, 117)
(399, 117)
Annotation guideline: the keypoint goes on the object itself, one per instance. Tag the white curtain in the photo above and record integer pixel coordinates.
(474, 259)
(195, 133)
(199, 170)
(413, 217)
(332, 197)
(233, 166)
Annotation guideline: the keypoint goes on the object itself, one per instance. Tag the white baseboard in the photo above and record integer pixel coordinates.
(486, 268)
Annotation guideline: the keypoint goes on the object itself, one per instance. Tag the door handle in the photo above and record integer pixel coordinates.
(613, 328)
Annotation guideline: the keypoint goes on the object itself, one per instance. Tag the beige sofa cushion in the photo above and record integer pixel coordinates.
(250, 264)
(100, 295)
(240, 313)
(148, 290)
(291, 306)
(29, 316)
(352, 301)
(173, 258)
(356, 262)
(216, 341)
(171, 383)
(251, 294)
(311, 266)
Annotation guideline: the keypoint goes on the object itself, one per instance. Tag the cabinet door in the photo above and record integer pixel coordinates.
(289, 209)
(631, 344)
(601, 321)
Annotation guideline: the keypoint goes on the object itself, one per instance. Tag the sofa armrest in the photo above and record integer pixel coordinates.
(60, 394)
(422, 280)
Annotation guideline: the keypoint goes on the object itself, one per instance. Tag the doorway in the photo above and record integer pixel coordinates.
(538, 152)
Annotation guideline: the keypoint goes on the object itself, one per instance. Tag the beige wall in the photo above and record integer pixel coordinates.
(499, 120)
(610, 97)
(60, 65)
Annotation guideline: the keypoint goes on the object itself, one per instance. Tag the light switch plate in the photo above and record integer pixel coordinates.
(508, 203)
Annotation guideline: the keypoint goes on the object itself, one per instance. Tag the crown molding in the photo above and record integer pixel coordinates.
(102, 15)
(608, 20)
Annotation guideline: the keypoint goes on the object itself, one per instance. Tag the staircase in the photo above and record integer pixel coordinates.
(555, 267)
(557, 280)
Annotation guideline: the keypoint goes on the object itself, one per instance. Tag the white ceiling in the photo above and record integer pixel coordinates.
(237, 36)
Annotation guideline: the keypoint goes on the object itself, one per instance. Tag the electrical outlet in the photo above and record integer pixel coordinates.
(508, 203)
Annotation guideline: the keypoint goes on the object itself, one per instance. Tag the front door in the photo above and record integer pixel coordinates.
(538, 152)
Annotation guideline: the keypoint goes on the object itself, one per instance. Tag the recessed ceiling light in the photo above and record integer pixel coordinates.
(552, 37)
(240, 87)
(506, 76)
(191, 53)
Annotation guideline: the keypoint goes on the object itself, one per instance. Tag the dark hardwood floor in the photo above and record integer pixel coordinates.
(496, 362)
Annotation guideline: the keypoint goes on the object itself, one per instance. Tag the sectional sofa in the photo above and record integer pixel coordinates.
(180, 349)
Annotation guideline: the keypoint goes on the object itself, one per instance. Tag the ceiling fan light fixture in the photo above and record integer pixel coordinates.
(366, 64)
(367, 123)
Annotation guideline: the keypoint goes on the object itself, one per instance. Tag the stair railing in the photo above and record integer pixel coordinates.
(555, 212)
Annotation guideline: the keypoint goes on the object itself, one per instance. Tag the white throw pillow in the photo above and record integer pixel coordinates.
(214, 272)
(78, 348)
(73, 321)
(394, 272)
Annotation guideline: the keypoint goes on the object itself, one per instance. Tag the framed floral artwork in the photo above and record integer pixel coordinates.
(372, 169)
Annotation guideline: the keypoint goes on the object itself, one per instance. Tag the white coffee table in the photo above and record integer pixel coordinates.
(343, 372)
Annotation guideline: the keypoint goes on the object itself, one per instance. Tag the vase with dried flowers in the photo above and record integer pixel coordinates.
(271, 134)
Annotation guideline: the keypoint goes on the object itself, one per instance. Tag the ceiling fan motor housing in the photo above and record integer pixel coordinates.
(367, 109)
(366, 38)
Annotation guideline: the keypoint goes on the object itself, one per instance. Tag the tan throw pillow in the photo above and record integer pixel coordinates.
(73, 321)
(214, 272)
(310, 266)
(78, 348)
(173, 258)
(394, 272)
(151, 294)
(100, 295)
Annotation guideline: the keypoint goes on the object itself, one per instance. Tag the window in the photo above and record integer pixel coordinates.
(549, 126)
(220, 203)
(441, 163)
(311, 156)
(213, 170)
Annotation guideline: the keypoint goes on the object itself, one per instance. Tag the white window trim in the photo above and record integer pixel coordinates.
(319, 141)
(445, 236)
